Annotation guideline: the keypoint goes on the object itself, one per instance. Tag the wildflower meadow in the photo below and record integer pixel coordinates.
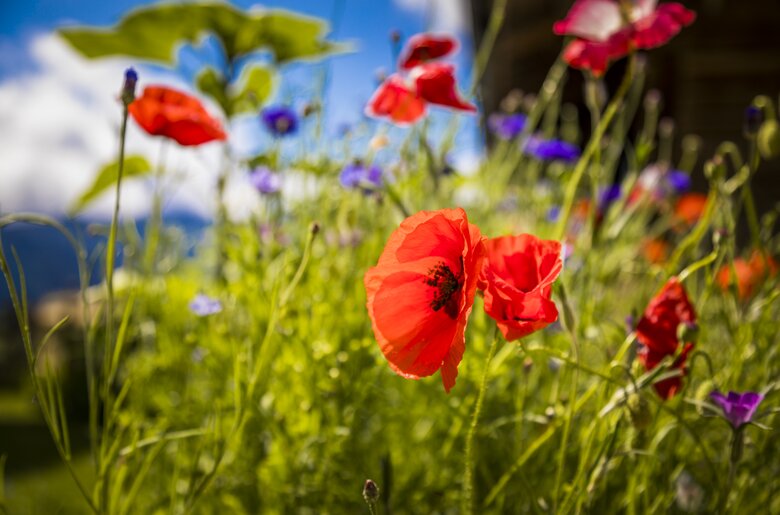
(585, 322)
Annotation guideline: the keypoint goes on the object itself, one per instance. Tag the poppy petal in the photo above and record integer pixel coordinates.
(435, 84)
(422, 48)
(661, 25)
(395, 100)
(594, 20)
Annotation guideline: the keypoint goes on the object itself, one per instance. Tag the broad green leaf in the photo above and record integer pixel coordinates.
(135, 166)
(252, 89)
(154, 33)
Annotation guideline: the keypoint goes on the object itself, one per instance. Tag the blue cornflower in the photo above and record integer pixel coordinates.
(551, 149)
(607, 196)
(679, 181)
(359, 175)
(280, 120)
(203, 305)
(506, 126)
(265, 181)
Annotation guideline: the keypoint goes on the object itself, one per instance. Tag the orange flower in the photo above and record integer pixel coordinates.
(517, 279)
(749, 273)
(162, 111)
(420, 293)
(655, 250)
(690, 207)
(657, 333)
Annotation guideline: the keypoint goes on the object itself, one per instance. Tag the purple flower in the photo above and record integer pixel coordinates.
(506, 126)
(738, 408)
(551, 149)
(203, 305)
(280, 120)
(128, 87)
(553, 213)
(679, 181)
(265, 181)
(359, 175)
(607, 196)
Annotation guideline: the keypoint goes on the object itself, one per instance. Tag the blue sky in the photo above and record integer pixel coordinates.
(50, 97)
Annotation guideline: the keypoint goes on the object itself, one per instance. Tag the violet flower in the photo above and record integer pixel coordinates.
(265, 181)
(280, 120)
(203, 305)
(551, 149)
(359, 175)
(738, 408)
(506, 126)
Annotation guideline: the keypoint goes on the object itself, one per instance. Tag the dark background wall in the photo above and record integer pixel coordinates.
(708, 74)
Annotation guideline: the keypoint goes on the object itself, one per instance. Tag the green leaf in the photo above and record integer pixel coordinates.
(135, 166)
(154, 33)
(210, 82)
(252, 89)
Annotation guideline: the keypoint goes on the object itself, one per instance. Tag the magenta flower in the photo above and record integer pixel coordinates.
(265, 181)
(738, 408)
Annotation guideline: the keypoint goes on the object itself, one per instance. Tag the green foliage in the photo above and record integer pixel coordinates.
(135, 166)
(246, 95)
(154, 33)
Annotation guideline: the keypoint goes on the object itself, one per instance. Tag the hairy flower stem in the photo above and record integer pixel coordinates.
(154, 224)
(468, 476)
(593, 146)
(103, 476)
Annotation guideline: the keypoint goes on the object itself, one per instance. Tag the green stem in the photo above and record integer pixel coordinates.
(593, 145)
(468, 479)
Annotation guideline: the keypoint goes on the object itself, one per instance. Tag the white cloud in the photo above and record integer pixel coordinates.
(60, 123)
(444, 15)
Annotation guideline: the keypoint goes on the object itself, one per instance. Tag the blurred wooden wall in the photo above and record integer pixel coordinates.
(708, 74)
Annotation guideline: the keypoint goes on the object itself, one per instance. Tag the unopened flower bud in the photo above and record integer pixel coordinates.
(395, 36)
(652, 100)
(370, 493)
(310, 108)
(769, 139)
(314, 228)
(128, 87)
(688, 332)
(754, 117)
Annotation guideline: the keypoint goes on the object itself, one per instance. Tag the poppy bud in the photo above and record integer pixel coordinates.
(370, 493)
(652, 100)
(688, 332)
(754, 117)
(314, 228)
(128, 87)
(639, 411)
(310, 108)
(769, 139)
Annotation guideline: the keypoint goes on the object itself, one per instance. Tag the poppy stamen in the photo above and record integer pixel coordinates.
(446, 285)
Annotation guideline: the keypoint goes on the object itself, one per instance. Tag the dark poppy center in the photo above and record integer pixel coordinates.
(446, 287)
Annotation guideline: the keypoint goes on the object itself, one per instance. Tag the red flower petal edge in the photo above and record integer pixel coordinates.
(163, 111)
(420, 293)
(657, 332)
(422, 48)
(394, 99)
(517, 280)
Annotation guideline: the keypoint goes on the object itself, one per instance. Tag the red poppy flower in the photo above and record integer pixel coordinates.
(397, 101)
(420, 293)
(517, 280)
(604, 32)
(655, 250)
(750, 274)
(422, 48)
(162, 111)
(690, 207)
(657, 332)
(436, 85)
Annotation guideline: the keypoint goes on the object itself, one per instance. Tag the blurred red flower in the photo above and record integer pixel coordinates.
(750, 274)
(397, 101)
(657, 333)
(163, 111)
(605, 30)
(420, 293)
(436, 85)
(403, 98)
(517, 280)
(422, 48)
(690, 207)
